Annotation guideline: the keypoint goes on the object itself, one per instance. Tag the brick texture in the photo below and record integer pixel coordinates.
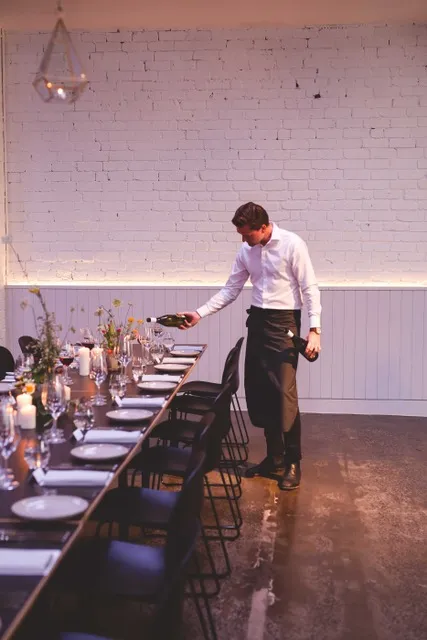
(138, 181)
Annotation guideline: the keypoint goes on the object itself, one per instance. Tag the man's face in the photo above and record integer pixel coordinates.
(252, 236)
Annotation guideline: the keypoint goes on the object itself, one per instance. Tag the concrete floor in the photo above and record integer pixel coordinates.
(345, 556)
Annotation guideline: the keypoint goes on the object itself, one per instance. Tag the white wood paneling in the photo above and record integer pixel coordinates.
(374, 347)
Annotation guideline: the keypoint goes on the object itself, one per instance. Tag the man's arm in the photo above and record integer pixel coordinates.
(223, 298)
(304, 273)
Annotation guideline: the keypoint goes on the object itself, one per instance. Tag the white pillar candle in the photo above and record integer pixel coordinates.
(84, 361)
(27, 417)
(23, 400)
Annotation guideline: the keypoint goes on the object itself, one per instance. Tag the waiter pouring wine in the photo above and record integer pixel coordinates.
(283, 280)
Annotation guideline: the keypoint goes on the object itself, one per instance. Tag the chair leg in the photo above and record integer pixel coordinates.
(206, 603)
(218, 528)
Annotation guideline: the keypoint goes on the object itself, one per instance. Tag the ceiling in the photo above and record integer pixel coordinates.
(180, 14)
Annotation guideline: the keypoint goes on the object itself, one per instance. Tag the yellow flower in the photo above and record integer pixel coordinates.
(139, 321)
(35, 290)
(30, 387)
(117, 302)
(131, 319)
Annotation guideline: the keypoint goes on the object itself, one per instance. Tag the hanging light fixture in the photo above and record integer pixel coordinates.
(60, 77)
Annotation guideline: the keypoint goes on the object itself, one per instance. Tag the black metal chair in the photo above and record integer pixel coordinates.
(161, 460)
(197, 397)
(104, 568)
(7, 362)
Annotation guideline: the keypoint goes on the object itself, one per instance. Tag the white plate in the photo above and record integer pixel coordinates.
(5, 387)
(99, 451)
(49, 507)
(129, 415)
(171, 367)
(157, 386)
(185, 354)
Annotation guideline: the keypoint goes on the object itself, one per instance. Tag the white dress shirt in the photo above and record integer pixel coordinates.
(281, 274)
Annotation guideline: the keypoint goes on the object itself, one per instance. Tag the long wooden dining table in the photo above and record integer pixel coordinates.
(19, 593)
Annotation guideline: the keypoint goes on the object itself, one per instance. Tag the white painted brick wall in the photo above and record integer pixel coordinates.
(139, 180)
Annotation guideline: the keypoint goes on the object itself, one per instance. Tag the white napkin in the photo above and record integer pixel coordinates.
(9, 379)
(178, 360)
(72, 477)
(112, 435)
(155, 401)
(188, 347)
(165, 377)
(10, 373)
(27, 562)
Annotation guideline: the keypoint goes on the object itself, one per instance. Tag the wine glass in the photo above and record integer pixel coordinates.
(87, 338)
(66, 357)
(9, 439)
(98, 373)
(124, 351)
(55, 401)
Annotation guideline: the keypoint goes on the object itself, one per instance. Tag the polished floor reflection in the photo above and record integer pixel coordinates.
(343, 557)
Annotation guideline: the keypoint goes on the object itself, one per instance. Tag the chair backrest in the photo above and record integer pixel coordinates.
(230, 373)
(220, 426)
(184, 524)
(7, 363)
(26, 344)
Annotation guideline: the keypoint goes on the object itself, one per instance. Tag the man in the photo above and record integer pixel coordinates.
(279, 267)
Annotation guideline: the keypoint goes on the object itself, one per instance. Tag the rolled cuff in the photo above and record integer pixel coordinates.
(203, 311)
(314, 322)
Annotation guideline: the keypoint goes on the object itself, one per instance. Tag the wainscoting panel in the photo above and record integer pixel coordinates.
(374, 342)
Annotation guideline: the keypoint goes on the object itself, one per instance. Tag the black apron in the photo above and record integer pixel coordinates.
(270, 368)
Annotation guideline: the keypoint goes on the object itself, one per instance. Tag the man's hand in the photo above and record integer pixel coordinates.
(191, 319)
(313, 345)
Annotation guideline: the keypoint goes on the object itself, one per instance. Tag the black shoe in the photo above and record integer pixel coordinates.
(291, 478)
(265, 468)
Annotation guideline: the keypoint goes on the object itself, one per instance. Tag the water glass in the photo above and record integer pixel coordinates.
(37, 453)
(168, 341)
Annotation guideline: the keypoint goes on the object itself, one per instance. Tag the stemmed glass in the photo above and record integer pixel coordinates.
(9, 439)
(55, 402)
(87, 338)
(138, 367)
(66, 357)
(98, 373)
(124, 351)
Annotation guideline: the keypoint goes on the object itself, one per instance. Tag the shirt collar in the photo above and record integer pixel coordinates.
(275, 234)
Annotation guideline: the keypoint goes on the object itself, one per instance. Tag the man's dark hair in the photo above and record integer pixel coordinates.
(250, 214)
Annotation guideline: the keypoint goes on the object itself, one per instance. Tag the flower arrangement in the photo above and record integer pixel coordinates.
(111, 325)
(47, 346)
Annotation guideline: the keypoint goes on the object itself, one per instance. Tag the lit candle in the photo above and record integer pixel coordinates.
(27, 417)
(23, 400)
(84, 361)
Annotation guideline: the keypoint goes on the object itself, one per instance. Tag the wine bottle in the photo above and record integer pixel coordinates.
(169, 320)
(301, 345)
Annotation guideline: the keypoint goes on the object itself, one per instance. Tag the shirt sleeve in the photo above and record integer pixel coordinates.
(304, 273)
(229, 292)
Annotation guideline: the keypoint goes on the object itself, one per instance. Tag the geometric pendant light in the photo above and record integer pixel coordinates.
(60, 77)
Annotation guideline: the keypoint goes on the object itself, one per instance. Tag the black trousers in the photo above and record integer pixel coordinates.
(270, 380)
